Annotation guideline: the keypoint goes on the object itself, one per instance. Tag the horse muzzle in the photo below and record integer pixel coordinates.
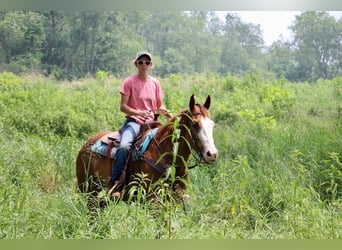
(210, 156)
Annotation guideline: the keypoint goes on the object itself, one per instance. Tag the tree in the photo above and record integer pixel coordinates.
(80, 43)
(21, 39)
(281, 60)
(182, 42)
(317, 41)
(242, 46)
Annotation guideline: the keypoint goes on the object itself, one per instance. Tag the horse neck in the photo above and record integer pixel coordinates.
(184, 139)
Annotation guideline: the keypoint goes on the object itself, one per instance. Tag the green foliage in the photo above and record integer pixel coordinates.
(317, 42)
(258, 116)
(278, 174)
(101, 75)
(48, 110)
(280, 99)
(9, 82)
(22, 38)
(74, 44)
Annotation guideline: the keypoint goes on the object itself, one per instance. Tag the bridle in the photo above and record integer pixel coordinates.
(196, 153)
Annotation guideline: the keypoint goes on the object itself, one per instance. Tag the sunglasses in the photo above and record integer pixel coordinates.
(142, 62)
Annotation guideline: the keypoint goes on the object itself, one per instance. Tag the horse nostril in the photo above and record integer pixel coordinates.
(211, 156)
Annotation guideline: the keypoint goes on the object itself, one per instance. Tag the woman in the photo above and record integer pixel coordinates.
(141, 97)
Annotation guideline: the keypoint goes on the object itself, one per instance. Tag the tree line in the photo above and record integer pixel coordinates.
(73, 44)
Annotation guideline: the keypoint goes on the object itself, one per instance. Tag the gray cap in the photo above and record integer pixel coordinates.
(143, 53)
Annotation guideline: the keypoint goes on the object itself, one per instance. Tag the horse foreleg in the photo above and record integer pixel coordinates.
(180, 185)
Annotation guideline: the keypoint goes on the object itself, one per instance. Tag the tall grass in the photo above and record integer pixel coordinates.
(278, 174)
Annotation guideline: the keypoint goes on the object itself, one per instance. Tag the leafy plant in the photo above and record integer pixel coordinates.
(274, 177)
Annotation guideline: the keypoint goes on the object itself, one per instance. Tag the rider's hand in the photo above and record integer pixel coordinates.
(145, 114)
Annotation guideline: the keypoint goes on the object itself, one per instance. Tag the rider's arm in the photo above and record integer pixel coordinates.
(125, 108)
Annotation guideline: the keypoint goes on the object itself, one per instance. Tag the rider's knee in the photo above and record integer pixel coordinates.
(123, 150)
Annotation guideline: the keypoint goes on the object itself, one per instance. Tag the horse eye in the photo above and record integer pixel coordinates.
(195, 125)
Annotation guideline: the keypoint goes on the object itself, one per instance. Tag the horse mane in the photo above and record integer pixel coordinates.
(167, 128)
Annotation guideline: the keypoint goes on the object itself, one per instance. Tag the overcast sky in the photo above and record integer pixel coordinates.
(274, 24)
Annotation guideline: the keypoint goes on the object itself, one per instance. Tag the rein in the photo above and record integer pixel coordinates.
(198, 157)
(153, 163)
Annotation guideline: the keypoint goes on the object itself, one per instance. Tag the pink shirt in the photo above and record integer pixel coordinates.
(143, 95)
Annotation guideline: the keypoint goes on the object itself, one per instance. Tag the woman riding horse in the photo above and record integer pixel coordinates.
(191, 130)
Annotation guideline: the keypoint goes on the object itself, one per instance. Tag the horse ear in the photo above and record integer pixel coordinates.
(192, 103)
(207, 102)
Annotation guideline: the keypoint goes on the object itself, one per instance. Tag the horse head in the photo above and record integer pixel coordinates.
(201, 129)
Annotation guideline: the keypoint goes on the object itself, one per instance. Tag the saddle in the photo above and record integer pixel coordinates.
(108, 144)
(111, 137)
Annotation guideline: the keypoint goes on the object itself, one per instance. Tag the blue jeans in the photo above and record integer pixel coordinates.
(130, 130)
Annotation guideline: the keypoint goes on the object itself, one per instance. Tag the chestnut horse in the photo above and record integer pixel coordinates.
(191, 129)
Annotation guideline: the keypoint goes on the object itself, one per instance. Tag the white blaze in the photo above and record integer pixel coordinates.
(206, 136)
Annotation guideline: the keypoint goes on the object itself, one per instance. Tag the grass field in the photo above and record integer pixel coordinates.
(278, 175)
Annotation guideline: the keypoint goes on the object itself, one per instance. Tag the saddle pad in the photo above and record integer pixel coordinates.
(147, 140)
(139, 151)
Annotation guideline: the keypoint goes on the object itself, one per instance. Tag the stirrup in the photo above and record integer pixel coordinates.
(113, 191)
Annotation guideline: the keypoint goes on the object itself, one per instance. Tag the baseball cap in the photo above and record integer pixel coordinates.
(143, 53)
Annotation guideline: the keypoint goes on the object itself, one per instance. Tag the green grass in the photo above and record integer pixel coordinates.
(278, 175)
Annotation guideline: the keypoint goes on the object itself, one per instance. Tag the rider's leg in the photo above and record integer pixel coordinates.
(129, 132)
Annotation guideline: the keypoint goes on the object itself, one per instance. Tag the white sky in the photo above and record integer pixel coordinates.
(273, 24)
